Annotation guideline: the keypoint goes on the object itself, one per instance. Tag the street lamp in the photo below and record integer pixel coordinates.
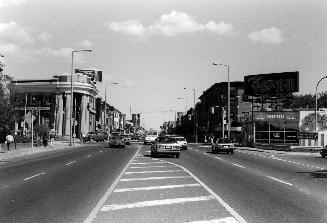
(228, 96)
(105, 105)
(72, 94)
(316, 114)
(194, 116)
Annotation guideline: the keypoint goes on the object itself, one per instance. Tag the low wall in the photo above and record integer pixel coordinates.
(270, 146)
(312, 149)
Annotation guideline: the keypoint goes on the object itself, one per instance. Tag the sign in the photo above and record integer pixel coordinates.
(95, 75)
(29, 117)
(276, 116)
(308, 135)
(33, 108)
(274, 83)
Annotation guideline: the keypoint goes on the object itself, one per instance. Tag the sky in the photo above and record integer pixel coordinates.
(156, 48)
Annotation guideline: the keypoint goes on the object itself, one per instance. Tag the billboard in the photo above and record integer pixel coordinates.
(276, 116)
(274, 83)
(95, 75)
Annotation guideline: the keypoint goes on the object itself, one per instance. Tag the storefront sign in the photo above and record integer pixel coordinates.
(33, 108)
(273, 83)
(308, 135)
(276, 116)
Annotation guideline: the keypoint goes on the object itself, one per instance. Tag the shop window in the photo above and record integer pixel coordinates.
(277, 126)
(261, 126)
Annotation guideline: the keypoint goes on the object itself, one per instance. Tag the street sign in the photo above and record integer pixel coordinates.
(308, 135)
(28, 118)
(33, 108)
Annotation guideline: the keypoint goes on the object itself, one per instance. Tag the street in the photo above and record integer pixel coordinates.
(100, 184)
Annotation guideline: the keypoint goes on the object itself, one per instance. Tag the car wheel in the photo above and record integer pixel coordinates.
(177, 155)
(212, 150)
(322, 155)
(231, 152)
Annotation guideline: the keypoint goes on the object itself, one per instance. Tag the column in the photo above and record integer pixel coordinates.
(67, 116)
(60, 113)
(84, 112)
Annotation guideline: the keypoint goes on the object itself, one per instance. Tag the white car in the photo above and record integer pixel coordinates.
(181, 141)
(166, 146)
(149, 139)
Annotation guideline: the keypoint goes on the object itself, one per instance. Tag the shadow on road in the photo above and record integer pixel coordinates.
(317, 174)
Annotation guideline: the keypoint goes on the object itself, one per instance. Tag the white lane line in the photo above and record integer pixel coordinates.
(220, 220)
(218, 158)
(70, 163)
(100, 151)
(152, 203)
(238, 165)
(89, 156)
(155, 188)
(154, 178)
(154, 171)
(97, 208)
(281, 181)
(39, 174)
(146, 167)
(136, 163)
(221, 201)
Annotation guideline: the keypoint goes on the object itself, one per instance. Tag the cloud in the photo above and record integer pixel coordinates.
(86, 44)
(172, 24)
(271, 36)
(10, 3)
(130, 26)
(14, 33)
(44, 37)
(9, 48)
(48, 51)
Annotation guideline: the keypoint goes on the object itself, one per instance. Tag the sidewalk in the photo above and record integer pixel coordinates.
(25, 150)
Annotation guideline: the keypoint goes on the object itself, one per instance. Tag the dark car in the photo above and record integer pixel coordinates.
(98, 136)
(323, 152)
(117, 141)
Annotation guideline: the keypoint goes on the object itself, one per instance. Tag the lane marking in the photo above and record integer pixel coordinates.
(155, 188)
(114, 207)
(136, 163)
(89, 156)
(36, 175)
(154, 171)
(146, 167)
(154, 178)
(70, 163)
(97, 208)
(218, 158)
(220, 220)
(238, 165)
(219, 199)
(281, 181)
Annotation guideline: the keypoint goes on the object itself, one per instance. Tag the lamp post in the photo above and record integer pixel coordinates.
(105, 105)
(228, 96)
(72, 94)
(316, 114)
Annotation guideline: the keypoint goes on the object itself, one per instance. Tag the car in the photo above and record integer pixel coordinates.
(149, 139)
(323, 152)
(127, 139)
(117, 141)
(166, 146)
(181, 141)
(99, 137)
(222, 145)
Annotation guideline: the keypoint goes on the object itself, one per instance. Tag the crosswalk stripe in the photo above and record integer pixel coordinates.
(154, 171)
(114, 207)
(155, 188)
(154, 178)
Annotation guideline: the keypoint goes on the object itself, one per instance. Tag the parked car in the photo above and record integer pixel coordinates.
(149, 139)
(99, 136)
(181, 141)
(323, 152)
(116, 141)
(127, 139)
(222, 145)
(165, 145)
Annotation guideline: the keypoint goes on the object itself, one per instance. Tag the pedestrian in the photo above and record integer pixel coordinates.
(45, 140)
(9, 140)
(52, 139)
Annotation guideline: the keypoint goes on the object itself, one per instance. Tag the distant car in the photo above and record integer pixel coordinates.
(149, 139)
(116, 141)
(99, 136)
(181, 141)
(223, 145)
(323, 152)
(166, 146)
(127, 139)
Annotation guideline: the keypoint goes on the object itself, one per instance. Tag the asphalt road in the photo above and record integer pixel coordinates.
(61, 186)
(98, 184)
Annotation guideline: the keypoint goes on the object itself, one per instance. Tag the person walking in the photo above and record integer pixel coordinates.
(9, 140)
(52, 139)
(45, 140)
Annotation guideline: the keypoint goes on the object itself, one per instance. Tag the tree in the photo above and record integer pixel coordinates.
(7, 112)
